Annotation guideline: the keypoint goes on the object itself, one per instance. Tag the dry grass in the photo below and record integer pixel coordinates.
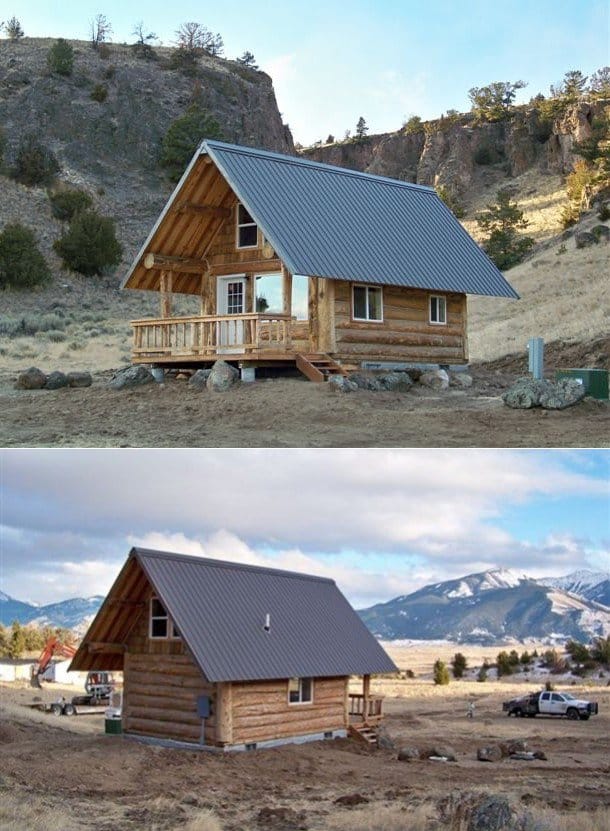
(383, 818)
(541, 820)
(34, 814)
(205, 820)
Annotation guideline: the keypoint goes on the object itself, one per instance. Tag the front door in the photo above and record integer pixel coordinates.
(231, 301)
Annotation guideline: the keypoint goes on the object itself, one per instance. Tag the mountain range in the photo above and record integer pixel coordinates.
(497, 605)
(485, 608)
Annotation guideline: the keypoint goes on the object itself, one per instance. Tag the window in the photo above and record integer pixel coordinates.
(300, 690)
(268, 293)
(367, 303)
(438, 309)
(247, 230)
(161, 625)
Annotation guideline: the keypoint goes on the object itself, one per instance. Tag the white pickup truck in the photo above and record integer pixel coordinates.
(550, 704)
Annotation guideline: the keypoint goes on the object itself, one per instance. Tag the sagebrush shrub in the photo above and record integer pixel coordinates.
(22, 266)
(67, 203)
(34, 164)
(60, 57)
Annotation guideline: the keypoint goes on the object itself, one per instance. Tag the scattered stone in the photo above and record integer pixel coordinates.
(540, 754)
(131, 376)
(436, 379)
(384, 741)
(79, 379)
(183, 376)
(523, 756)
(491, 814)
(514, 746)
(190, 799)
(282, 818)
(222, 376)
(524, 394)
(339, 383)
(352, 799)
(584, 239)
(199, 379)
(408, 754)
(56, 380)
(561, 394)
(31, 379)
(364, 382)
(492, 753)
(395, 381)
(444, 751)
(460, 380)
(601, 233)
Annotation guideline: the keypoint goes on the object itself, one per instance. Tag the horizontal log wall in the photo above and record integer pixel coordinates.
(261, 710)
(224, 252)
(405, 333)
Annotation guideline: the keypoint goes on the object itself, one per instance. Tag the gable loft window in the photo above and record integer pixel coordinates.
(438, 309)
(300, 690)
(161, 625)
(247, 229)
(367, 303)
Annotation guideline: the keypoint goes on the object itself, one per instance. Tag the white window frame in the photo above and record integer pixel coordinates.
(171, 631)
(441, 305)
(239, 225)
(301, 702)
(368, 287)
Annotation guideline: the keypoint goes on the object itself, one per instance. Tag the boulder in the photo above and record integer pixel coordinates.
(601, 233)
(79, 379)
(384, 741)
(31, 379)
(561, 394)
(491, 814)
(460, 380)
(408, 754)
(339, 383)
(199, 379)
(514, 746)
(352, 799)
(222, 377)
(524, 394)
(491, 753)
(365, 382)
(131, 376)
(56, 380)
(443, 750)
(395, 381)
(436, 379)
(584, 239)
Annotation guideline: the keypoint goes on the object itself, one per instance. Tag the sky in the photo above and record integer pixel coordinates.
(382, 523)
(385, 60)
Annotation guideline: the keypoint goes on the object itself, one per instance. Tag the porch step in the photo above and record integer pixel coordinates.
(364, 733)
(317, 366)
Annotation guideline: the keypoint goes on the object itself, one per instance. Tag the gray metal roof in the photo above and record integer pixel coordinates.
(220, 610)
(331, 222)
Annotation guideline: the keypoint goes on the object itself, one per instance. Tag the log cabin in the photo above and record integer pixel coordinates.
(224, 655)
(294, 261)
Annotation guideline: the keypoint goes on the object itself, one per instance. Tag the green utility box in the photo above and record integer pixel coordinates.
(114, 726)
(595, 381)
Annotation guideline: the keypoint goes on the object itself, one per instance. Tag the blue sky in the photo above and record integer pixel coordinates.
(387, 60)
(380, 522)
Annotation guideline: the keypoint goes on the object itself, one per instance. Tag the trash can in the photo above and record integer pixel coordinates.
(595, 381)
(114, 726)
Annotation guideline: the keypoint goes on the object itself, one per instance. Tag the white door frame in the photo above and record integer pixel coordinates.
(230, 336)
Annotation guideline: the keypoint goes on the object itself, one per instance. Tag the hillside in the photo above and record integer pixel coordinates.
(493, 606)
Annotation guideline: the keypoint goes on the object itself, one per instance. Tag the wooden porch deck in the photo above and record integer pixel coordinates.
(365, 709)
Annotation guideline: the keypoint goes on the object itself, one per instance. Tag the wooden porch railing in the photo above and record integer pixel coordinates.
(212, 335)
(369, 710)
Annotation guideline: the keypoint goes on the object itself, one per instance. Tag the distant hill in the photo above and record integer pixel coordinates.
(492, 606)
(75, 613)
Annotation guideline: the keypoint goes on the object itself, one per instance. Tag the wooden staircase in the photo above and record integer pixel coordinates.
(364, 733)
(318, 367)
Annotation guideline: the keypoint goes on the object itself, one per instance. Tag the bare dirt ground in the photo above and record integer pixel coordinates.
(292, 412)
(65, 773)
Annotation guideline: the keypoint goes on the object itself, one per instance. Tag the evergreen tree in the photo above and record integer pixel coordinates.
(414, 125)
(440, 673)
(574, 83)
(600, 651)
(501, 222)
(494, 102)
(361, 129)
(16, 646)
(482, 673)
(184, 136)
(22, 266)
(4, 641)
(67, 202)
(247, 59)
(451, 201)
(60, 57)
(504, 664)
(599, 82)
(13, 29)
(89, 246)
(459, 664)
(34, 164)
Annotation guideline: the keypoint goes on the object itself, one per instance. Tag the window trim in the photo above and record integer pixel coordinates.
(171, 632)
(239, 225)
(367, 286)
(437, 297)
(300, 702)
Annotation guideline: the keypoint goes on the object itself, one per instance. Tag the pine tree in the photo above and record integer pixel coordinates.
(13, 29)
(459, 664)
(361, 129)
(440, 673)
(599, 82)
(247, 59)
(89, 246)
(22, 266)
(502, 221)
(574, 83)
(494, 102)
(60, 57)
(16, 646)
(184, 136)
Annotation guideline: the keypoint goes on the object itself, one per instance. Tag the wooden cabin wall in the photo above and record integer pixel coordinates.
(261, 712)
(405, 333)
(161, 686)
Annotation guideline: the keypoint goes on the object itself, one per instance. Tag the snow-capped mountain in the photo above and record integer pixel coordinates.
(593, 585)
(75, 613)
(488, 607)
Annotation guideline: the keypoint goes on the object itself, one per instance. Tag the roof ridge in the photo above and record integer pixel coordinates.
(297, 160)
(228, 564)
